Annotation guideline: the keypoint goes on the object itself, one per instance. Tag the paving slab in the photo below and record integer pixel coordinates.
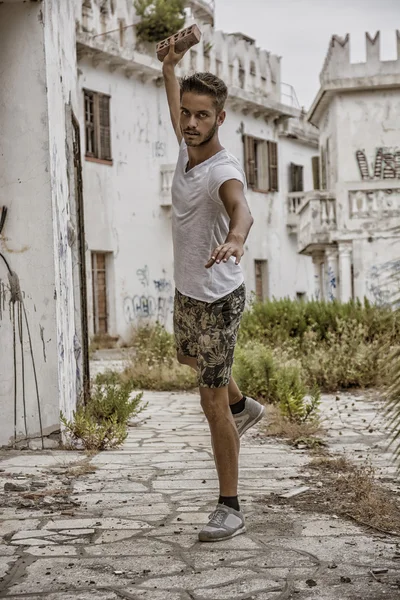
(133, 530)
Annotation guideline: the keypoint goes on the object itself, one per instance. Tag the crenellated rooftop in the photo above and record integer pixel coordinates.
(339, 74)
(106, 33)
(338, 65)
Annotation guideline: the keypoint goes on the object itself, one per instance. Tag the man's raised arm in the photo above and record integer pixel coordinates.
(172, 87)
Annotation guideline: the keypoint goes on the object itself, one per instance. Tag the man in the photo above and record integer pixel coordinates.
(210, 224)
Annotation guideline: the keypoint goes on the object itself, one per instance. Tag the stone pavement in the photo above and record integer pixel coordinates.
(129, 529)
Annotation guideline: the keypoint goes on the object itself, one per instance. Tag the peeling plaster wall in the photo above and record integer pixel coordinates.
(122, 203)
(365, 179)
(61, 68)
(269, 238)
(366, 121)
(27, 241)
(38, 72)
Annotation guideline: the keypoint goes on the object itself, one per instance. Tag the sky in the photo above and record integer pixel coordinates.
(300, 30)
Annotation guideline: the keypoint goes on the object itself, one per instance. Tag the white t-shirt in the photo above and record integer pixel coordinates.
(200, 223)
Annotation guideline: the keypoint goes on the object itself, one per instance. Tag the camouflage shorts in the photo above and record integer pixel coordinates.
(208, 332)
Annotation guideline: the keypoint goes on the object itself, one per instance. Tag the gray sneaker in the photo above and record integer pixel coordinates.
(252, 413)
(224, 524)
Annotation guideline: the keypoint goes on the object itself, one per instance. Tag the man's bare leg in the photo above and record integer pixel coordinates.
(233, 391)
(224, 436)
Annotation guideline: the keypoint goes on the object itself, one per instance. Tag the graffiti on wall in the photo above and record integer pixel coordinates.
(386, 164)
(331, 283)
(383, 283)
(155, 302)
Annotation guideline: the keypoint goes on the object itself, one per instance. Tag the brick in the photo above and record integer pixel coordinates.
(184, 39)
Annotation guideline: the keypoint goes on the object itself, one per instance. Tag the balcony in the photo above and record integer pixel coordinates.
(295, 201)
(316, 222)
(166, 177)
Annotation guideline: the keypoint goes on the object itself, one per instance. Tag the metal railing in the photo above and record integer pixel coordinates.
(289, 96)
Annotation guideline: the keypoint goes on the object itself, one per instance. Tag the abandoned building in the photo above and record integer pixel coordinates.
(88, 155)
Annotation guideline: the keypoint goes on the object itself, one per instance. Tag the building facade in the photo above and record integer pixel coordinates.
(43, 332)
(130, 155)
(350, 227)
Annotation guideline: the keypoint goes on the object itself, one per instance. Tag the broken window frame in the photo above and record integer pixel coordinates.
(97, 127)
(265, 178)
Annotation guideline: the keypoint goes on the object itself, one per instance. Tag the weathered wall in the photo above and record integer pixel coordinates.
(27, 240)
(368, 186)
(61, 80)
(122, 201)
(37, 74)
(124, 216)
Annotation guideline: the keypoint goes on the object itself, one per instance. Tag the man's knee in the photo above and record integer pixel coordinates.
(214, 402)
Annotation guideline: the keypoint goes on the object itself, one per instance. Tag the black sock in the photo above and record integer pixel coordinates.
(238, 406)
(231, 501)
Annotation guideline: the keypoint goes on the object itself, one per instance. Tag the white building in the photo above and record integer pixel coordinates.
(88, 154)
(351, 227)
(41, 238)
(131, 152)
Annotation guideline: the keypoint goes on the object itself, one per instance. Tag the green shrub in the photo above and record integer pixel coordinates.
(102, 422)
(274, 377)
(337, 345)
(154, 365)
(159, 18)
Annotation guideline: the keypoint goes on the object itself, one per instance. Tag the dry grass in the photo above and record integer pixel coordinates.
(164, 377)
(332, 465)
(350, 491)
(276, 425)
(81, 467)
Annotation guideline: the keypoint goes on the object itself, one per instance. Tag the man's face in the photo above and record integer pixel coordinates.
(199, 119)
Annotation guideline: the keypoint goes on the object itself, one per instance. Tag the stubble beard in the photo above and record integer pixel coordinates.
(206, 140)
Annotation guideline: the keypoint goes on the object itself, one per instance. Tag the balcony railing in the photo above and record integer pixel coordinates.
(317, 221)
(167, 175)
(295, 200)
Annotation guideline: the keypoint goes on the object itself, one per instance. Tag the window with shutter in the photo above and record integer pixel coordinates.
(261, 164)
(90, 124)
(262, 170)
(99, 288)
(315, 171)
(249, 160)
(323, 169)
(104, 125)
(296, 178)
(261, 280)
(273, 166)
(97, 126)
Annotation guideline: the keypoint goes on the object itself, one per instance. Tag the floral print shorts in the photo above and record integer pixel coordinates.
(208, 332)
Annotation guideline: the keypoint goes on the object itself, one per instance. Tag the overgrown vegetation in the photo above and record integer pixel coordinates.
(159, 18)
(351, 491)
(335, 346)
(102, 422)
(154, 365)
(287, 353)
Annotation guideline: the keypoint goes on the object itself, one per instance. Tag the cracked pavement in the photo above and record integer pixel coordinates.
(129, 529)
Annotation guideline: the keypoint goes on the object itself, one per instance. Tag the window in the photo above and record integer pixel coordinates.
(315, 172)
(242, 75)
(99, 286)
(261, 164)
(97, 126)
(296, 178)
(323, 169)
(261, 279)
(325, 166)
